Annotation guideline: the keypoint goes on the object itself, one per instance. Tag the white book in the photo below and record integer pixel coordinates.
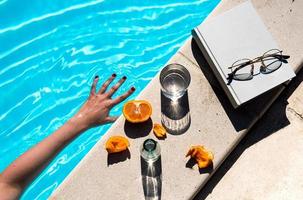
(236, 34)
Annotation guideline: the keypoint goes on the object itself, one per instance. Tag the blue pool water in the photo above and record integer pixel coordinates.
(51, 49)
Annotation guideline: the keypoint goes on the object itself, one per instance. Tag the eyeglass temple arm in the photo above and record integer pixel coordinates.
(242, 65)
(230, 78)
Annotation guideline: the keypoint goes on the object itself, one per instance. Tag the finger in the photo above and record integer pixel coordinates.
(93, 87)
(116, 87)
(111, 119)
(123, 97)
(106, 84)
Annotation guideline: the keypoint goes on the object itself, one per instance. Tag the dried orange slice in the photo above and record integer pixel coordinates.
(203, 157)
(116, 144)
(137, 111)
(159, 131)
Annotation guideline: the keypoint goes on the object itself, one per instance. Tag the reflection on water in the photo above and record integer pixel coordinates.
(151, 179)
(175, 114)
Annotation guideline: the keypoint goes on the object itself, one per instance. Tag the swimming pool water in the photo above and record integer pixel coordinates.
(50, 50)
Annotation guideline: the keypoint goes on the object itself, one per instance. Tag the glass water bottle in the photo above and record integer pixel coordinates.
(151, 169)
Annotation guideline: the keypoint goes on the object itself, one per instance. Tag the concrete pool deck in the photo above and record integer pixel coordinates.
(214, 123)
(266, 164)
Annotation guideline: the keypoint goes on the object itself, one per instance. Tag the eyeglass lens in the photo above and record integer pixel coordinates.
(270, 61)
(243, 73)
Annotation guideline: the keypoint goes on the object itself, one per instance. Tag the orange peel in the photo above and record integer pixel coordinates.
(116, 144)
(159, 131)
(203, 157)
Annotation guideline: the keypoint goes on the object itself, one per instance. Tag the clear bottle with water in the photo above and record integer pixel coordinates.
(151, 169)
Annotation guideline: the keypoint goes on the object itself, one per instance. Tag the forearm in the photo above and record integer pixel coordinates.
(94, 112)
(23, 169)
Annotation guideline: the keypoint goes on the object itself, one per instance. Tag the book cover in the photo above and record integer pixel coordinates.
(237, 34)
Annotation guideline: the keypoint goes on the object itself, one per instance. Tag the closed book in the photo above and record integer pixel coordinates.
(237, 34)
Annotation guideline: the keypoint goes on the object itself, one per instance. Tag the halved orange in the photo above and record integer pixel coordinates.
(203, 157)
(116, 144)
(137, 111)
(159, 131)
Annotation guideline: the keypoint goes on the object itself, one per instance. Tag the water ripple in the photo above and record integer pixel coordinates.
(49, 15)
(27, 43)
(23, 61)
(153, 7)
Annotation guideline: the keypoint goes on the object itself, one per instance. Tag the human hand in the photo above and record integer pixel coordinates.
(95, 111)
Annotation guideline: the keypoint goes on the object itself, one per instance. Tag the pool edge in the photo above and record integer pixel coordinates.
(185, 53)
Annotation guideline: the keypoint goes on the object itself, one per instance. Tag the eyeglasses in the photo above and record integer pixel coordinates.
(243, 70)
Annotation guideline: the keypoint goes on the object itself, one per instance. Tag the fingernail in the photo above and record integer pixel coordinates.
(133, 88)
(114, 75)
(96, 76)
(124, 77)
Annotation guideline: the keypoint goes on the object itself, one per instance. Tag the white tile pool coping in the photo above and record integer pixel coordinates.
(214, 123)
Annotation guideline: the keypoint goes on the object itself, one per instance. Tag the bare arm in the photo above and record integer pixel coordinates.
(94, 112)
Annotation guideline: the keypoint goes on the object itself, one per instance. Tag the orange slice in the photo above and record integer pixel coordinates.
(203, 157)
(159, 131)
(116, 144)
(137, 111)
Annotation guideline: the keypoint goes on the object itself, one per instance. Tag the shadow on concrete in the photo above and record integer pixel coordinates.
(175, 114)
(162, 137)
(192, 162)
(137, 130)
(246, 115)
(272, 121)
(117, 157)
(151, 173)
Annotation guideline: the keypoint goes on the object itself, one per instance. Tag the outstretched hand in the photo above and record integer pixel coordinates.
(95, 111)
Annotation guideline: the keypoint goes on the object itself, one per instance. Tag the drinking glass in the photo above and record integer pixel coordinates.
(174, 80)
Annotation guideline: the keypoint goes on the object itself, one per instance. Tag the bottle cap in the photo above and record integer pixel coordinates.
(150, 150)
(149, 145)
